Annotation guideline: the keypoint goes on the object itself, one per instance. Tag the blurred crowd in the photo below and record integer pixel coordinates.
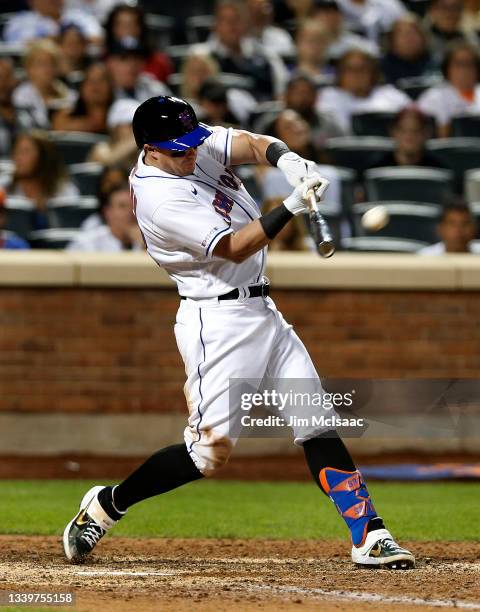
(383, 95)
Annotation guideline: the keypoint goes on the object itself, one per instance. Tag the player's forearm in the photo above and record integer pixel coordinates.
(243, 244)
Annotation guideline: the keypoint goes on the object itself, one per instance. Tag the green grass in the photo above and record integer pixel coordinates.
(219, 509)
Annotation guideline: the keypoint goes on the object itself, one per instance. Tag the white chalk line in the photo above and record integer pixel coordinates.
(122, 573)
(370, 597)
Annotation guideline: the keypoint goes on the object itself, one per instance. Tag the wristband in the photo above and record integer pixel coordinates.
(275, 220)
(275, 150)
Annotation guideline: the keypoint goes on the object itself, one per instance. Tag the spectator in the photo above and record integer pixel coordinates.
(237, 53)
(312, 42)
(8, 240)
(45, 20)
(42, 92)
(127, 22)
(120, 148)
(410, 131)
(471, 17)
(73, 55)
(112, 176)
(297, 135)
(260, 17)
(301, 96)
(39, 174)
(459, 93)
(371, 18)
(12, 120)
(456, 229)
(125, 63)
(120, 231)
(407, 53)
(359, 90)
(199, 67)
(100, 9)
(444, 25)
(89, 114)
(214, 108)
(294, 236)
(329, 15)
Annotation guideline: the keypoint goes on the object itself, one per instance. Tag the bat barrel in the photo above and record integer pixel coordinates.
(321, 234)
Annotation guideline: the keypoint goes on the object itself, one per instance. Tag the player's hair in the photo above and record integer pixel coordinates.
(50, 170)
(450, 52)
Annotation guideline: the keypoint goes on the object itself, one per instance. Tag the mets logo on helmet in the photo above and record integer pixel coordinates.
(187, 120)
(223, 205)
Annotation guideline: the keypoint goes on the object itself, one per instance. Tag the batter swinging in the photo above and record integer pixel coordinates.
(201, 225)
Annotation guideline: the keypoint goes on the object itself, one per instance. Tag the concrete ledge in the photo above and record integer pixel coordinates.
(142, 434)
(35, 269)
(285, 270)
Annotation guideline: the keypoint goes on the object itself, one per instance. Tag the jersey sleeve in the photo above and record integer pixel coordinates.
(219, 144)
(185, 223)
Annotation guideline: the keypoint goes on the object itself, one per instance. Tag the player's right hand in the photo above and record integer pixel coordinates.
(296, 202)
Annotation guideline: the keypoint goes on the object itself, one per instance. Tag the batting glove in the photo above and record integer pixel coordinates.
(296, 202)
(295, 168)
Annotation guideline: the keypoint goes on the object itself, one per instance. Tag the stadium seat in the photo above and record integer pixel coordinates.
(466, 126)
(372, 124)
(347, 188)
(52, 238)
(19, 215)
(458, 154)
(70, 212)
(372, 244)
(411, 183)
(159, 28)
(475, 208)
(472, 185)
(418, 6)
(75, 146)
(407, 220)
(358, 152)
(86, 176)
(12, 52)
(177, 53)
(198, 28)
(415, 86)
(264, 114)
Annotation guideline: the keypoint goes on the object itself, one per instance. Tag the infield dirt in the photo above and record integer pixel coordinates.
(131, 574)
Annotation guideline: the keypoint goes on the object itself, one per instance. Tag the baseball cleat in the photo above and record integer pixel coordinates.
(84, 531)
(381, 550)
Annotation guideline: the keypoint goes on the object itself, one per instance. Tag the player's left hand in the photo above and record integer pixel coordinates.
(295, 168)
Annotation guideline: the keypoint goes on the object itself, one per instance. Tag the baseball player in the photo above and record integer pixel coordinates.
(201, 225)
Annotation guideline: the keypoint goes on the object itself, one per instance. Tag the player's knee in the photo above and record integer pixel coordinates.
(210, 452)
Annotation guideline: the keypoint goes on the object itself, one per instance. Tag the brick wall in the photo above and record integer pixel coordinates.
(113, 350)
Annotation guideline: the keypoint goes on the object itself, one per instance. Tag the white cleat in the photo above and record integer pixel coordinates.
(381, 550)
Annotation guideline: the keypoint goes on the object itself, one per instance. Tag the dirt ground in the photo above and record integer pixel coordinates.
(270, 467)
(129, 574)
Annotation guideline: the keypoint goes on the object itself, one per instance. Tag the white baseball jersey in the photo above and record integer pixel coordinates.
(182, 219)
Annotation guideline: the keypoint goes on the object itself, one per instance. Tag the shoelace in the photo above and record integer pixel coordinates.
(389, 544)
(92, 534)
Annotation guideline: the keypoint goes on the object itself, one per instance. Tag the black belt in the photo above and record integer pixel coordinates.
(254, 291)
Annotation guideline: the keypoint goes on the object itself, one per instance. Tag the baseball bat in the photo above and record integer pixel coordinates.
(319, 227)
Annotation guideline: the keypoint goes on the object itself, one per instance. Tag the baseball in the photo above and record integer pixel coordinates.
(375, 219)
